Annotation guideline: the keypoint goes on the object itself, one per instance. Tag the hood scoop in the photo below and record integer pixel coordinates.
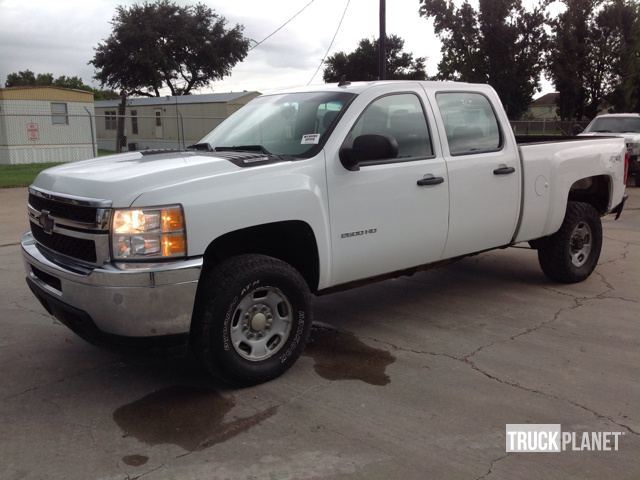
(238, 158)
(245, 159)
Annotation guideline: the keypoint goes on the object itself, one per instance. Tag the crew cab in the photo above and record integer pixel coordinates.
(625, 125)
(301, 192)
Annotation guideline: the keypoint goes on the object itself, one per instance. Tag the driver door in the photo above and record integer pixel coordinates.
(382, 220)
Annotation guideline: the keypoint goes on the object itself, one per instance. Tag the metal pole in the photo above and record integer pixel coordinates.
(382, 53)
(93, 138)
(177, 123)
(120, 138)
(182, 129)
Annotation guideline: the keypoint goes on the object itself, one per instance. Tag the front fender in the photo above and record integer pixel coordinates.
(252, 196)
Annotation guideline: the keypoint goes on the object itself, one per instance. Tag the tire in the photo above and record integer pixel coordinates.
(239, 331)
(572, 253)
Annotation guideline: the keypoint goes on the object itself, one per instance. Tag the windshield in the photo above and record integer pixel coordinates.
(289, 124)
(615, 125)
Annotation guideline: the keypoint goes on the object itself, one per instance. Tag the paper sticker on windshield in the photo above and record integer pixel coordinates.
(310, 138)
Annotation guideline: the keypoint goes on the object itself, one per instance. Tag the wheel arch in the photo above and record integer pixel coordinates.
(292, 241)
(595, 190)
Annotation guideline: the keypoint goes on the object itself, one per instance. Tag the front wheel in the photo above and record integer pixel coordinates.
(571, 254)
(252, 319)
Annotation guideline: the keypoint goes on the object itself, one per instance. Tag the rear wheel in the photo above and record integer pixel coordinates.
(571, 254)
(252, 320)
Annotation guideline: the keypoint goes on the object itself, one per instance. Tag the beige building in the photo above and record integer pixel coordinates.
(166, 122)
(45, 124)
(543, 108)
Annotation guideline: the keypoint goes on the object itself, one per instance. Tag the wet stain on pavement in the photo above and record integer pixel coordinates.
(135, 460)
(342, 356)
(190, 417)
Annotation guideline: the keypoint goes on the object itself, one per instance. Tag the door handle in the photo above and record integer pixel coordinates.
(430, 180)
(503, 170)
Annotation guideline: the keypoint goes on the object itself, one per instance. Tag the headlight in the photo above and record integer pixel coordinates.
(155, 232)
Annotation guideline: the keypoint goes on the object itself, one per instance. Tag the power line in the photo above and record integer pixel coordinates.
(332, 40)
(281, 26)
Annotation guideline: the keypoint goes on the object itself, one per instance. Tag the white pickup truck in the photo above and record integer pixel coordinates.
(304, 192)
(625, 125)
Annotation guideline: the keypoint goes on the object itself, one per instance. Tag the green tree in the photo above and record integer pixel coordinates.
(501, 43)
(27, 78)
(572, 50)
(594, 60)
(362, 63)
(622, 19)
(159, 44)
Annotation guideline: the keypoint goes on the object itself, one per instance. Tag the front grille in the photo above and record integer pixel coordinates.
(79, 248)
(77, 213)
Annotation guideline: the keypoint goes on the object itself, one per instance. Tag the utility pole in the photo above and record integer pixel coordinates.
(382, 53)
(121, 140)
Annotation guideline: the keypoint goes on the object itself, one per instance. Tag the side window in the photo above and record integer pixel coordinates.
(469, 122)
(401, 117)
(59, 114)
(134, 122)
(110, 120)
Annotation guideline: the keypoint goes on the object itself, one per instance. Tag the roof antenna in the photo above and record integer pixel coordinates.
(343, 81)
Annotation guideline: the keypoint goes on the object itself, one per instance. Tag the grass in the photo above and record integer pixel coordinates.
(21, 175)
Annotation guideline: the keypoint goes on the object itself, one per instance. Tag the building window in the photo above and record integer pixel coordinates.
(59, 114)
(134, 122)
(158, 119)
(110, 122)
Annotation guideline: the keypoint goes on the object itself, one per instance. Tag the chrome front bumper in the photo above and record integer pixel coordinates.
(131, 300)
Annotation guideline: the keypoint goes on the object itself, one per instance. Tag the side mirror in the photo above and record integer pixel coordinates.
(366, 148)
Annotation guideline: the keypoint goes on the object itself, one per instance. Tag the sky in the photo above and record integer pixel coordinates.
(59, 36)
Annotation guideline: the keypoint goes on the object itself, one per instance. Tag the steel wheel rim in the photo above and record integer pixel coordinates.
(580, 244)
(261, 323)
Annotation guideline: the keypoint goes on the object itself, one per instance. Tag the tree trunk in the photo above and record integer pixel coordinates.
(121, 140)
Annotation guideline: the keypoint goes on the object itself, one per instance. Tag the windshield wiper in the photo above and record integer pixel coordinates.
(601, 131)
(243, 148)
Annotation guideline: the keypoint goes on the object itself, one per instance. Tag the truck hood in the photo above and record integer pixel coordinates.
(122, 178)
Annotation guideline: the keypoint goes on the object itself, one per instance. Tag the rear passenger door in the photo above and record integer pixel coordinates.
(385, 217)
(484, 171)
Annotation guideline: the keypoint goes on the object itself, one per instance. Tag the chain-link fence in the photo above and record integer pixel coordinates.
(78, 134)
(60, 136)
(159, 130)
(547, 127)
(66, 136)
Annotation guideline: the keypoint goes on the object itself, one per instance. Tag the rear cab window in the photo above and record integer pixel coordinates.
(470, 123)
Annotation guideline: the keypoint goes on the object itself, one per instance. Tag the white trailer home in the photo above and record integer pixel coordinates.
(45, 124)
(166, 122)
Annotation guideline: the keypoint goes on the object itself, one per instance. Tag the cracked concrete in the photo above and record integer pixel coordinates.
(482, 343)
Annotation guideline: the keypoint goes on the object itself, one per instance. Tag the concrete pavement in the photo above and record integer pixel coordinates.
(409, 378)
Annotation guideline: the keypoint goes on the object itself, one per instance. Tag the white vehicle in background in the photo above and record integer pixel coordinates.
(306, 191)
(626, 125)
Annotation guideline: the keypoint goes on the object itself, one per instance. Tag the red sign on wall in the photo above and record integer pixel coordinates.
(32, 131)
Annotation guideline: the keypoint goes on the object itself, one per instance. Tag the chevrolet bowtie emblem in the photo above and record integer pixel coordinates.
(46, 221)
